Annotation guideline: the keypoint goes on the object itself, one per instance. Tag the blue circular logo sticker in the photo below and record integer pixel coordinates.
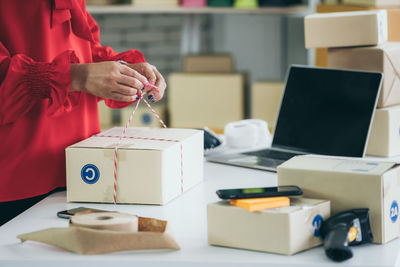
(146, 118)
(90, 174)
(394, 211)
(316, 224)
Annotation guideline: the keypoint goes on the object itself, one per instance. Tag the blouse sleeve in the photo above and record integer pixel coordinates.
(106, 53)
(24, 83)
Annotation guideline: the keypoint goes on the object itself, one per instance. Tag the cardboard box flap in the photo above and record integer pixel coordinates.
(138, 138)
(392, 54)
(353, 165)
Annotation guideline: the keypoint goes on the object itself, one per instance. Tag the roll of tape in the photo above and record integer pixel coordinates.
(113, 221)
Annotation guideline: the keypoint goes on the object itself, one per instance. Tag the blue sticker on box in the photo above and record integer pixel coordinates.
(90, 174)
(146, 119)
(394, 211)
(316, 224)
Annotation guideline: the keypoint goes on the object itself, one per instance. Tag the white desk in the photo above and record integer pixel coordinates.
(188, 224)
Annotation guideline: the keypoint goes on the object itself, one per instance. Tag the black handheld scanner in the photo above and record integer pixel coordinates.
(348, 228)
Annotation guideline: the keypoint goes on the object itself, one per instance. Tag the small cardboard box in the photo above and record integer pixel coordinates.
(143, 116)
(372, 3)
(285, 230)
(199, 100)
(154, 165)
(208, 64)
(393, 16)
(343, 29)
(350, 184)
(384, 139)
(265, 101)
(383, 58)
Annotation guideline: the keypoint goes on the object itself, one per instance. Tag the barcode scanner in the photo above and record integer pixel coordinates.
(348, 228)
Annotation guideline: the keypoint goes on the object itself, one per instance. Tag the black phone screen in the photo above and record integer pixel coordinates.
(259, 192)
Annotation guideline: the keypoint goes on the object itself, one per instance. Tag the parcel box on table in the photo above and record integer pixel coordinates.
(342, 29)
(286, 230)
(350, 184)
(154, 165)
(383, 58)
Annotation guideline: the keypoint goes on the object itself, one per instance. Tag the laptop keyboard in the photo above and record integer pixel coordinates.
(273, 154)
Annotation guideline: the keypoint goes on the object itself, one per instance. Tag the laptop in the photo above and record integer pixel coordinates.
(323, 111)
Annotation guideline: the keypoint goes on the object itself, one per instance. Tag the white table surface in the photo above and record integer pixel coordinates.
(188, 224)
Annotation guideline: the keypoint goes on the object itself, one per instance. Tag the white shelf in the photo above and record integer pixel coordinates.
(128, 9)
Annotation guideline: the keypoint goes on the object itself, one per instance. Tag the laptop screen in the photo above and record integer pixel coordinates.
(327, 111)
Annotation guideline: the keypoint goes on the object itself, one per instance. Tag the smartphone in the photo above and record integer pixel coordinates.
(66, 214)
(286, 190)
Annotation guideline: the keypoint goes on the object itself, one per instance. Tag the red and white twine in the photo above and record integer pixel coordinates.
(140, 138)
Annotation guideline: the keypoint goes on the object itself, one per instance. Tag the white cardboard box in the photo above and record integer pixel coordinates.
(342, 29)
(285, 230)
(149, 171)
(384, 139)
(350, 184)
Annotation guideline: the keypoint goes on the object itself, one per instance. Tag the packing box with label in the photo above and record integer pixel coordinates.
(154, 165)
(384, 139)
(343, 29)
(265, 101)
(393, 16)
(199, 100)
(286, 230)
(383, 58)
(209, 63)
(349, 184)
(372, 3)
(143, 116)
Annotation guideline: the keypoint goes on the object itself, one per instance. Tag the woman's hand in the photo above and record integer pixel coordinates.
(154, 77)
(109, 80)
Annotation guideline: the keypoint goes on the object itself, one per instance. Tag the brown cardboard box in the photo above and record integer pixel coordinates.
(343, 29)
(372, 3)
(383, 58)
(384, 139)
(105, 115)
(265, 101)
(143, 116)
(285, 230)
(349, 184)
(208, 64)
(198, 100)
(152, 169)
(393, 15)
(155, 3)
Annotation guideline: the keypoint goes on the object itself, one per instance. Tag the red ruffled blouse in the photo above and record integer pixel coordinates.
(39, 117)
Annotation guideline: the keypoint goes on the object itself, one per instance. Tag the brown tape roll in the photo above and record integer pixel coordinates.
(113, 221)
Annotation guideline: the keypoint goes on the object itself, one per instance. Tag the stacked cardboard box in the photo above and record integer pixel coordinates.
(393, 15)
(208, 93)
(366, 50)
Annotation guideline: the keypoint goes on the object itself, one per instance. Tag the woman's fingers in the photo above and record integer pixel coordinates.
(160, 83)
(129, 81)
(127, 71)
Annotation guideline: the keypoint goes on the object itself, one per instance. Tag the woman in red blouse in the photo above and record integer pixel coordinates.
(53, 71)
